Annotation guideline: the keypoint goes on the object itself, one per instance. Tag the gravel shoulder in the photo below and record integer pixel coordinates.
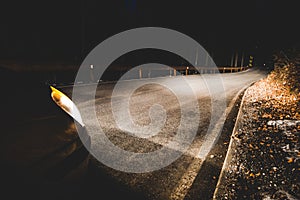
(263, 160)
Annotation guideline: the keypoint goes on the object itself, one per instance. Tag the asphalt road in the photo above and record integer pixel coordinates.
(34, 148)
(175, 180)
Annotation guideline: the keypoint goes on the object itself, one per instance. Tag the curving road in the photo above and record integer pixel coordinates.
(130, 128)
(39, 153)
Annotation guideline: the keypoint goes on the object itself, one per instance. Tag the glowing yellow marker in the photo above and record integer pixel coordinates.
(66, 104)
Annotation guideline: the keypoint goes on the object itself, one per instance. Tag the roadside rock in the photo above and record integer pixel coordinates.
(265, 156)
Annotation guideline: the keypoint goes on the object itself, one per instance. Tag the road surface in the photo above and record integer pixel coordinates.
(173, 181)
(34, 148)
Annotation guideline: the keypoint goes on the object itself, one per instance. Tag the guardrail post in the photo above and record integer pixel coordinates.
(92, 73)
(140, 73)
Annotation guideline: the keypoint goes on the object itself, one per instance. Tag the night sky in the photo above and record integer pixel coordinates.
(67, 31)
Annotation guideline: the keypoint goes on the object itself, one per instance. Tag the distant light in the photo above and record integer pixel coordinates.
(264, 64)
(187, 67)
(92, 66)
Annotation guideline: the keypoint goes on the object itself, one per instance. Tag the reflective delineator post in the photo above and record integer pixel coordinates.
(66, 104)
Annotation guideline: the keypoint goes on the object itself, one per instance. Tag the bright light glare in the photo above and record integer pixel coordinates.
(66, 104)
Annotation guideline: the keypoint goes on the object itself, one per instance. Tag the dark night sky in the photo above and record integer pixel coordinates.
(55, 31)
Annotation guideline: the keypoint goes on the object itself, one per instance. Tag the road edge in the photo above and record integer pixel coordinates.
(230, 149)
(233, 106)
